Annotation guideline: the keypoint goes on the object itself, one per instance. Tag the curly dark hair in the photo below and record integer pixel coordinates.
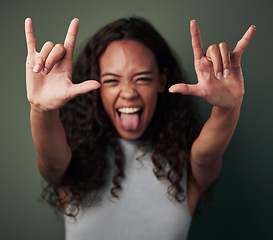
(89, 130)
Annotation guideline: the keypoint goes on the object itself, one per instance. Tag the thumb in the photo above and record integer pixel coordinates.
(186, 89)
(81, 88)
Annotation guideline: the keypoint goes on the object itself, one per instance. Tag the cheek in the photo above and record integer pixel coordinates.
(150, 99)
(107, 100)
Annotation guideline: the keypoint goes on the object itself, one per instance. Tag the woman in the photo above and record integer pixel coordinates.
(90, 152)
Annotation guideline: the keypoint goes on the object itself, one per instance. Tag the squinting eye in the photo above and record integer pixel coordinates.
(143, 80)
(110, 82)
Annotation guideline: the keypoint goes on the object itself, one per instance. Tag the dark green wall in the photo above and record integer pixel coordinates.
(242, 205)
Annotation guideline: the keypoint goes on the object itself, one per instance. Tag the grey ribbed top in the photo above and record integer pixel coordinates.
(143, 211)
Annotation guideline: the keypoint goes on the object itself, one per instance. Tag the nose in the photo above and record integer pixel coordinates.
(128, 92)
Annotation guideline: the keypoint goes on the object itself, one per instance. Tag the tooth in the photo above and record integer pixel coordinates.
(128, 110)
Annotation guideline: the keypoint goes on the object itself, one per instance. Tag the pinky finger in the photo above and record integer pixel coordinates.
(242, 44)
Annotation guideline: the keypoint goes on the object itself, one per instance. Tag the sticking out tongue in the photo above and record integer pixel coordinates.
(129, 121)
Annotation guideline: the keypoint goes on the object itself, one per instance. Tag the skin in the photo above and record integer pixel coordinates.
(49, 86)
(221, 83)
(130, 78)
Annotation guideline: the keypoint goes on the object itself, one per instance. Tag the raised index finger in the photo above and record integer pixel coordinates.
(70, 39)
(30, 38)
(197, 45)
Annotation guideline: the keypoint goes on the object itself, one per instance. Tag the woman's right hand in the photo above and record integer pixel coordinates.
(49, 72)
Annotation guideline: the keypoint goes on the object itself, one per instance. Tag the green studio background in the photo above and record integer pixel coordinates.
(242, 203)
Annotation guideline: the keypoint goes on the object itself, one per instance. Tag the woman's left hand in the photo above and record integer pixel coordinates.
(219, 73)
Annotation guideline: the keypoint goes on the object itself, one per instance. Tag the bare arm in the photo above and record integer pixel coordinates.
(221, 83)
(49, 138)
(208, 149)
(49, 86)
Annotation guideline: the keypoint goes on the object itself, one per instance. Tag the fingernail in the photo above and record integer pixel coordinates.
(219, 75)
(171, 89)
(226, 72)
(36, 68)
(44, 71)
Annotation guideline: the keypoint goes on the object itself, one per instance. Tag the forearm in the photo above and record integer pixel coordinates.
(215, 135)
(49, 138)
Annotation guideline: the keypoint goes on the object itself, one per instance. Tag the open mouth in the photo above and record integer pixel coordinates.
(129, 110)
(129, 117)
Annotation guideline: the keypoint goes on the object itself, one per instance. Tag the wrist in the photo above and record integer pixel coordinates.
(40, 113)
(37, 109)
(236, 107)
(228, 116)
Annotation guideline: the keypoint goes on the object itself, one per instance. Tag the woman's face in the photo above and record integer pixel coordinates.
(130, 83)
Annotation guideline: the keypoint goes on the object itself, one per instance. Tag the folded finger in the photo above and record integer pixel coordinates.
(42, 56)
(30, 38)
(55, 55)
(225, 54)
(214, 55)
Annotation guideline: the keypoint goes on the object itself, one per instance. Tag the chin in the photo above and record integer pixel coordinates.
(130, 135)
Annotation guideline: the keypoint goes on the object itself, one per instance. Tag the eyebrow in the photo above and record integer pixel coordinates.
(136, 74)
(110, 74)
(143, 73)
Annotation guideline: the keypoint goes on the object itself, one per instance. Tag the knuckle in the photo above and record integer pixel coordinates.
(224, 46)
(40, 60)
(31, 42)
(241, 45)
(59, 52)
(69, 45)
(49, 43)
(58, 45)
(48, 46)
(59, 48)
(213, 48)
